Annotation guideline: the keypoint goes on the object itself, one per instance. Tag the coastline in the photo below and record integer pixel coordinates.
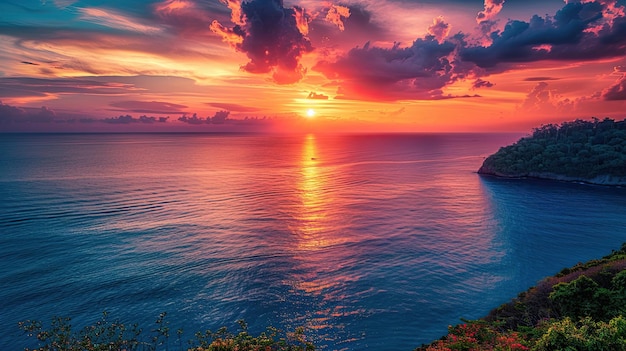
(603, 180)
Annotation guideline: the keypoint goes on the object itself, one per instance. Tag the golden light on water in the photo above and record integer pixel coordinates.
(314, 200)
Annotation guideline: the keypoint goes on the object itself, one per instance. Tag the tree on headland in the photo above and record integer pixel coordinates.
(579, 150)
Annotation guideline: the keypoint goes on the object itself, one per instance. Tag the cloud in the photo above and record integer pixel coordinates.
(270, 35)
(479, 83)
(568, 36)
(431, 63)
(39, 87)
(11, 114)
(539, 79)
(439, 29)
(128, 119)
(115, 20)
(337, 15)
(486, 19)
(156, 107)
(492, 8)
(393, 114)
(184, 16)
(356, 29)
(43, 115)
(233, 107)
(617, 91)
(194, 119)
(619, 69)
(543, 100)
(220, 117)
(314, 96)
(416, 72)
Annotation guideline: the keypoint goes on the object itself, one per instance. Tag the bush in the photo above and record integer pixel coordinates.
(115, 336)
(586, 335)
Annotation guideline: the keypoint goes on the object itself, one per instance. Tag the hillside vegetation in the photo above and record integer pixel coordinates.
(582, 308)
(587, 151)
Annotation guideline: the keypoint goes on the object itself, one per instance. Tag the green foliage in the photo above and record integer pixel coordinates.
(586, 335)
(222, 340)
(105, 335)
(578, 149)
(581, 308)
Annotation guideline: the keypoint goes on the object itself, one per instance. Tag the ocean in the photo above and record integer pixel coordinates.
(372, 242)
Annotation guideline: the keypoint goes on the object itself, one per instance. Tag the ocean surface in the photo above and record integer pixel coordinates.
(372, 242)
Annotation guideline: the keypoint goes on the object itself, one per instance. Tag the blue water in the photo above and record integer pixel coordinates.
(367, 241)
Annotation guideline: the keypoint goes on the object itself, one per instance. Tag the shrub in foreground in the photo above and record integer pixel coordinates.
(107, 335)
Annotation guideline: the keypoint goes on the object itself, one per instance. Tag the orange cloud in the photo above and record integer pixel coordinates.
(235, 7)
(337, 14)
(302, 20)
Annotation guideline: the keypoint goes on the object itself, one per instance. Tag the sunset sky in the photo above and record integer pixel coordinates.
(293, 65)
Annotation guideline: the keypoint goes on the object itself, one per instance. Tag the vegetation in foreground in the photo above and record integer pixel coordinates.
(582, 308)
(581, 150)
(108, 335)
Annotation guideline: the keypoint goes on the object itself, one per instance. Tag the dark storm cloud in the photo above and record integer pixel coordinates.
(356, 28)
(11, 114)
(271, 36)
(576, 32)
(580, 31)
(380, 73)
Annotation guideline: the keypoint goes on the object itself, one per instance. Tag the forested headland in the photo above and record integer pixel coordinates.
(586, 151)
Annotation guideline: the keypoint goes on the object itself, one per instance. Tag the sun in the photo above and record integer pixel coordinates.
(310, 113)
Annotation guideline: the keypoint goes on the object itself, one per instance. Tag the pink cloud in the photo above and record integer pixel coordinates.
(617, 91)
(492, 8)
(439, 29)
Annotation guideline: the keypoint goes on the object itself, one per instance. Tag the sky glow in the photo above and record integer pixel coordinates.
(263, 65)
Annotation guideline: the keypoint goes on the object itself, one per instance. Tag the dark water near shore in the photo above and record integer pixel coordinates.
(369, 242)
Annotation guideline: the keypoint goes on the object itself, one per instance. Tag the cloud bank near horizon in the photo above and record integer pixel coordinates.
(345, 59)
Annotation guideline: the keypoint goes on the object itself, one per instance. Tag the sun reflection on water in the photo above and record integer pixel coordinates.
(321, 238)
(313, 212)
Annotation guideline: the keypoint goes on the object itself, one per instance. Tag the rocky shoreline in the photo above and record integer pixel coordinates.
(606, 180)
